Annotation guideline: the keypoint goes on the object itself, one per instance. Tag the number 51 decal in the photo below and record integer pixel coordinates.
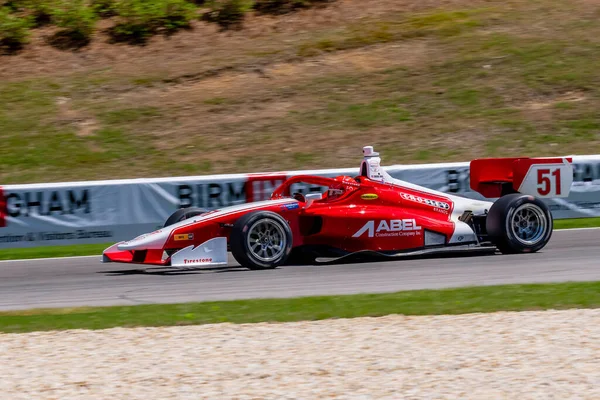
(545, 184)
(544, 178)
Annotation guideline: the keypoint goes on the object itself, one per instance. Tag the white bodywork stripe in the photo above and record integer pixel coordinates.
(462, 231)
(157, 239)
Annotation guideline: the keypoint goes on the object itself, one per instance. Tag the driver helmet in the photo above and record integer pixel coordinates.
(334, 192)
(340, 186)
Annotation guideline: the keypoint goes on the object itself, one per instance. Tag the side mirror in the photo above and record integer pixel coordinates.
(311, 197)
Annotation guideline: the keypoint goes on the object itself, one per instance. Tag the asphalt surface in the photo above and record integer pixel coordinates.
(570, 256)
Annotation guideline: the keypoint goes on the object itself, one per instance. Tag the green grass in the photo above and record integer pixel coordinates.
(439, 24)
(516, 78)
(421, 302)
(129, 115)
(96, 249)
(359, 116)
(577, 223)
(36, 132)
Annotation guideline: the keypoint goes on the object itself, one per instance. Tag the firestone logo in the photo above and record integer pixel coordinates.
(197, 260)
(432, 203)
(394, 227)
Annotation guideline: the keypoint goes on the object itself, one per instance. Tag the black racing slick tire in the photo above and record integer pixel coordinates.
(519, 223)
(261, 240)
(183, 214)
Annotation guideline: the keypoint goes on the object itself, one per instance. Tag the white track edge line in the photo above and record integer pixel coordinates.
(576, 229)
(99, 256)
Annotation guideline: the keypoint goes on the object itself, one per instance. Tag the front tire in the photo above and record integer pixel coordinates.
(519, 223)
(261, 240)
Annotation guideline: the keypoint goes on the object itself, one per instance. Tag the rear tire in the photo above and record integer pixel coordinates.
(261, 240)
(183, 214)
(519, 223)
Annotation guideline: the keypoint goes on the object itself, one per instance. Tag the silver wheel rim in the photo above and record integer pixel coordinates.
(529, 224)
(266, 240)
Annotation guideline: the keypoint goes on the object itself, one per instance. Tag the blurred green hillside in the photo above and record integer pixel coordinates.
(131, 88)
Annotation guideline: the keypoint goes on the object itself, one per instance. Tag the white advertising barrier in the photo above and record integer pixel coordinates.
(110, 211)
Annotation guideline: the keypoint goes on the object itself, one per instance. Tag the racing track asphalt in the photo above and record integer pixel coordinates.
(570, 256)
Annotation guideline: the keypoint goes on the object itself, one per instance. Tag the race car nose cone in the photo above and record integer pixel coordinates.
(152, 240)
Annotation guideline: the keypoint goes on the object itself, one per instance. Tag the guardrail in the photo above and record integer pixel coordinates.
(114, 210)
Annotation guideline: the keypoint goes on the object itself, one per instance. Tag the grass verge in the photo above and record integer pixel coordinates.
(96, 249)
(421, 302)
(53, 251)
(576, 223)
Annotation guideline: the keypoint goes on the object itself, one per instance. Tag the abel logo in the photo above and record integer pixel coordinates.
(394, 227)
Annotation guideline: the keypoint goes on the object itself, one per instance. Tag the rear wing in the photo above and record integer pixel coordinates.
(540, 177)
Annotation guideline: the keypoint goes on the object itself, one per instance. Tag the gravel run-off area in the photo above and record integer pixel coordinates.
(505, 355)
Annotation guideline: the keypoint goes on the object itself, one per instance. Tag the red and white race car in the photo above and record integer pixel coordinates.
(370, 213)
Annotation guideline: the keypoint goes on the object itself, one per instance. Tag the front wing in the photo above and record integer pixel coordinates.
(213, 252)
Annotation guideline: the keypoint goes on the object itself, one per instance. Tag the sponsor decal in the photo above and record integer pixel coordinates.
(211, 195)
(586, 172)
(369, 196)
(433, 203)
(260, 187)
(394, 227)
(184, 236)
(291, 206)
(61, 202)
(458, 180)
(375, 169)
(79, 234)
(213, 251)
(217, 195)
(197, 260)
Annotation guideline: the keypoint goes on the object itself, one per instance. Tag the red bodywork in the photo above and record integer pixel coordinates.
(391, 218)
(372, 212)
(340, 220)
(491, 176)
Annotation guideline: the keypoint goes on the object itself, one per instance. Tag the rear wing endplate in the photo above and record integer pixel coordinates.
(540, 177)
